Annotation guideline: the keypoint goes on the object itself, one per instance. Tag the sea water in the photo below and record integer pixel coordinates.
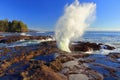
(105, 37)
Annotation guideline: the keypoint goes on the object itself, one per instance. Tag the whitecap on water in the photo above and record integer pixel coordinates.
(24, 34)
(28, 42)
(118, 59)
(25, 42)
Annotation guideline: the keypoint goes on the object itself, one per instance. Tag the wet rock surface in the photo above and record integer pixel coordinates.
(44, 61)
(10, 39)
(1, 37)
(87, 46)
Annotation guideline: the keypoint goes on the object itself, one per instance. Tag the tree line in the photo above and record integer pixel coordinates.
(12, 26)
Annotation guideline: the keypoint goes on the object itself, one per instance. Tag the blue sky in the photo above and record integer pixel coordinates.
(43, 14)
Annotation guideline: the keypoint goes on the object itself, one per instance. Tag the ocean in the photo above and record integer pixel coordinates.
(106, 37)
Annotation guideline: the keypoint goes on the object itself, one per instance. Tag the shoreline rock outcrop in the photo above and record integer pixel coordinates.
(88, 46)
(45, 61)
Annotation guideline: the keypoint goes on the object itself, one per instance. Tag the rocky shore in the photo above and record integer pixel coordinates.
(44, 61)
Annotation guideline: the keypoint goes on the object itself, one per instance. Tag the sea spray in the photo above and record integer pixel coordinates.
(72, 24)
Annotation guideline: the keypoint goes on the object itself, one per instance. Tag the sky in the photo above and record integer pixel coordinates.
(43, 14)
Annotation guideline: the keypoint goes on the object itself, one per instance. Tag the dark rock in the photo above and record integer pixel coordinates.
(84, 46)
(56, 65)
(87, 46)
(109, 47)
(39, 71)
(10, 39)
(39, 62)
(3, 41)
(114, 55)
(1, 37)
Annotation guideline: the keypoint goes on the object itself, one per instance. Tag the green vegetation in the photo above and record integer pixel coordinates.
(12, 26)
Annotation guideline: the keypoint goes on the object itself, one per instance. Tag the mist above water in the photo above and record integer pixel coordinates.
(72, 24)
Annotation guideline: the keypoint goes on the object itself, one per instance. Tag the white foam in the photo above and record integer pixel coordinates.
(25, 42)
(103, 46)
(72, 24)
(41, 32)
(89, 52)
(29, 42)
(118, 59)
(106, 52)
(24, 34)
